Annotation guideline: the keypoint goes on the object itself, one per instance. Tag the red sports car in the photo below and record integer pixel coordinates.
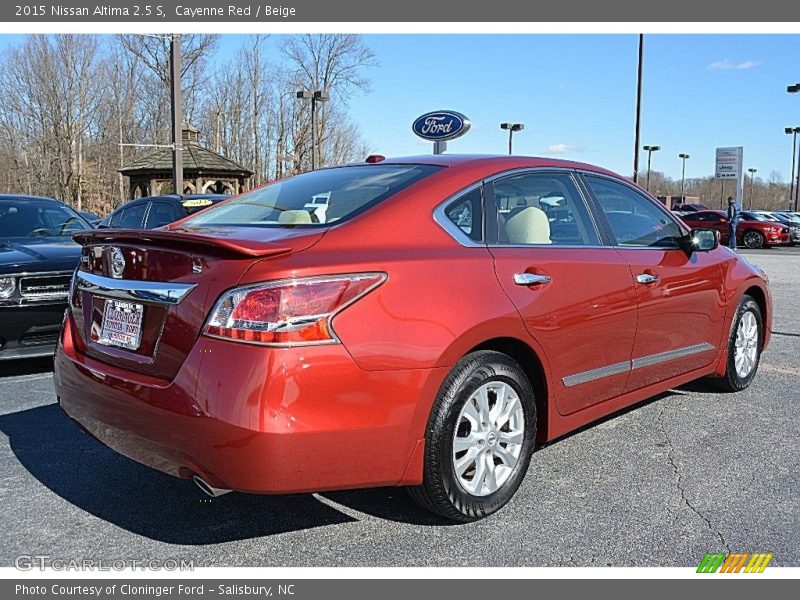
(753, 230)
(445, 315)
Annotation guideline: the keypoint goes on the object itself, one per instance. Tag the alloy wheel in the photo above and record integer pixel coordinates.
(746, 344)
(488, 438)
(753, 239)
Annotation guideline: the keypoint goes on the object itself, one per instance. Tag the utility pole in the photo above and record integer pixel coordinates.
(177, 113)
(638, 127)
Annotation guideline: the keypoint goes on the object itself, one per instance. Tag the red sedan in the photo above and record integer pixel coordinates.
(753, 230)
(443, 316)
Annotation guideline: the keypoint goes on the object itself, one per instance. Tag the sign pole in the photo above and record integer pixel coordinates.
(439, 147)
(177, 113)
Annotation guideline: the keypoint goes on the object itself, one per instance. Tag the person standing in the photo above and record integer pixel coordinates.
(733, 218)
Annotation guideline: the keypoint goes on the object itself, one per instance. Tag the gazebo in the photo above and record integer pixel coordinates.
(204, 171)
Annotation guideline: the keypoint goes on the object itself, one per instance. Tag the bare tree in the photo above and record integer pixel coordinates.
(331, 62)
(196, 50)
(52, 80)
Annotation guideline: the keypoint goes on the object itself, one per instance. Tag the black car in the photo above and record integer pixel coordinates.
(37, 259)
(156, 211)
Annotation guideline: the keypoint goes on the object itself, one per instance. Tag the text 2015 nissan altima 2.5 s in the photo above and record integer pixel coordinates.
(443, 316)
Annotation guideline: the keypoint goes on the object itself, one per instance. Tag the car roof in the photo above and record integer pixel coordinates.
(498, 160)
(10, 197)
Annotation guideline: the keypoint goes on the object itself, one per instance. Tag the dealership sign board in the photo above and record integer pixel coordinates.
(440, 126)
(729, 166)
(729, 163)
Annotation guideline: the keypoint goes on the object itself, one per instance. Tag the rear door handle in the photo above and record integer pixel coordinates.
(530, 279)
(646, 278)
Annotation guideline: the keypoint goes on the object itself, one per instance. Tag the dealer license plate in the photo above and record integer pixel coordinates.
(122, 324)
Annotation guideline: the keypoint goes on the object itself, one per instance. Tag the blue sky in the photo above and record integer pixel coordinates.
(575, 95)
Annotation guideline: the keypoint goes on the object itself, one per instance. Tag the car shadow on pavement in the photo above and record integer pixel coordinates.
(146, 502)
(31, 366)
(141, 500)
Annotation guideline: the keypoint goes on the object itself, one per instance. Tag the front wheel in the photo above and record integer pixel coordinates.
(745, 343)
(753, 239)
(479, 439)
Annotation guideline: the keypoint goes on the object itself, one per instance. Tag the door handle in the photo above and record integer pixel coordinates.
(530, 279)
(646, 278)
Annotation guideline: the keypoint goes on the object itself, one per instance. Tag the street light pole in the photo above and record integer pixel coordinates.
(315, 96)
(793, 131)
(794, 89)
(177, 110)
(650, 150)
(683, 156)
(752, 174)
(638, 125)
(511, 127)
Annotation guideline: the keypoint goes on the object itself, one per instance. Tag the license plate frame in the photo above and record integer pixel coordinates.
(122, 324)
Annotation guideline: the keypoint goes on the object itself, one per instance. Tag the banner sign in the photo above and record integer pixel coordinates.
(361, 11)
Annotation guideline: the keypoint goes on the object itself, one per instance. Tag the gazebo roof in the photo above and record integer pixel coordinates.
(196, 159)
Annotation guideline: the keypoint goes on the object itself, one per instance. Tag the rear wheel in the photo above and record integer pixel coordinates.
(753, 239)
(479, 439)
(744, 347)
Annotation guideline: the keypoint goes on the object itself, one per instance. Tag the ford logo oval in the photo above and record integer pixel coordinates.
(441, 125)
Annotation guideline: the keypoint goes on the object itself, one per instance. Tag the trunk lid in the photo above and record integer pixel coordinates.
(163, 284)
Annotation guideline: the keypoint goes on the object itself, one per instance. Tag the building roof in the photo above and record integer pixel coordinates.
(196, 159)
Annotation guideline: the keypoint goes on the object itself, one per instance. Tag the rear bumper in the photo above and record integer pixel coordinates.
(255, 419)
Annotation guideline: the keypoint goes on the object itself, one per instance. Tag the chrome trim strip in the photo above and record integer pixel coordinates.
(636, 363)
(129, 289)
(654, 359)
(587, 376)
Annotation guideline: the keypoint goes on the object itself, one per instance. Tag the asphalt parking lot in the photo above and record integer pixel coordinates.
(689, 472)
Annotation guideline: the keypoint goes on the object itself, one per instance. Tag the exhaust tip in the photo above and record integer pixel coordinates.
(209, 489)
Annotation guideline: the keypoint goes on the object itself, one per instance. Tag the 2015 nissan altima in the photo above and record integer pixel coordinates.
(445, 315)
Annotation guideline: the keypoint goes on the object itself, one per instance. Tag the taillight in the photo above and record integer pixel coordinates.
(288, 312)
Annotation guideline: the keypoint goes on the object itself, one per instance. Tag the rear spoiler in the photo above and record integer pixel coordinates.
(182, 239)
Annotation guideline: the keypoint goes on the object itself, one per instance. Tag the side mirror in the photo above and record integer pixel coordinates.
(701, 240)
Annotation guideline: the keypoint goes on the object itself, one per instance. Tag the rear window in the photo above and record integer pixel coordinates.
(314, 199)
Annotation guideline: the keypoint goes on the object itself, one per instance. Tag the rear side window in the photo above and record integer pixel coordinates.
(314, 199)
(542, 209)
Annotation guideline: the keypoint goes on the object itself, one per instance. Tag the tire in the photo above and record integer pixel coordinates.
(753, 239)
(477, 379)
(735, 379)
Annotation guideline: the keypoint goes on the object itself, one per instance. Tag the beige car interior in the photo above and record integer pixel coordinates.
(528, 226)
(526, 223)
(294, 217)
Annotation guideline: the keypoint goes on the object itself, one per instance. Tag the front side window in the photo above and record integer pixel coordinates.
(162, 213)
(542, 209)
(314, 199)
(634, 219)
(132, 216)
(26, 218)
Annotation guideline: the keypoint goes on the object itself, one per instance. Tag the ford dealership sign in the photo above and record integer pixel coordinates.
(441, 125)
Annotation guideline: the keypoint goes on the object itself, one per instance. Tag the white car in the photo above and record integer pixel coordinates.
(318, 205)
